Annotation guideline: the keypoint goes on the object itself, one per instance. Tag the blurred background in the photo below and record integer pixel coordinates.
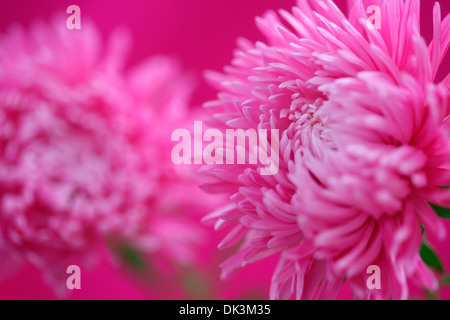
(202, 34)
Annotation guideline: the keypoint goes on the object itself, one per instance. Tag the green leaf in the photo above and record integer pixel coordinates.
(196, 284)
(431, 295)
(129, 255)
(430, 258)
(445, 280)
(441, 211)
(133, 257)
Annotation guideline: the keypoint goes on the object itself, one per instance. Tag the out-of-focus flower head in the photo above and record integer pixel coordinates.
(83, 148)
(363, 148)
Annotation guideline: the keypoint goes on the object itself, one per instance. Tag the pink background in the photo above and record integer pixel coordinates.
(202, 33)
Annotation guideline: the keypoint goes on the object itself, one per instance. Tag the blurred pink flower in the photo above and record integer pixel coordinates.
(363, 148)
(83, 149)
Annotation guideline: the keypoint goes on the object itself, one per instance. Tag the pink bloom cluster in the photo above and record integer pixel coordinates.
(363, 148)
(83, 148)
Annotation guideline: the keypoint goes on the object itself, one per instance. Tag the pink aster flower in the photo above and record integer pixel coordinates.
(83, 149)
(363, 148)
